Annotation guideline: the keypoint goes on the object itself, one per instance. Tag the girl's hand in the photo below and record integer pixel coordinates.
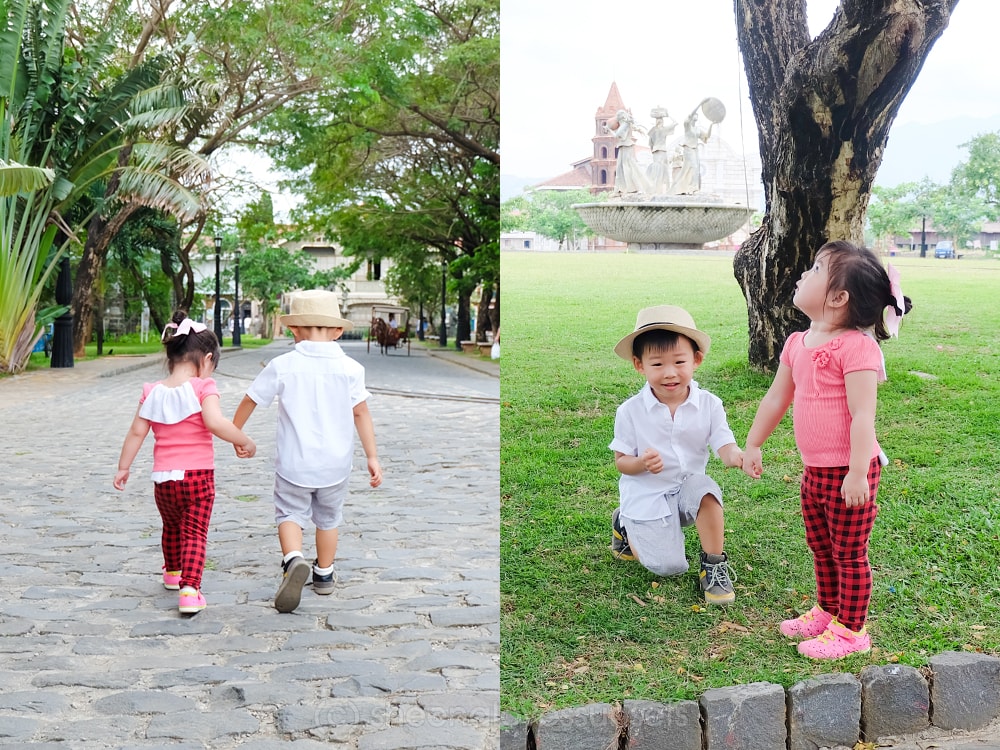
(121, 479)
(247, 450)
(753, 462)
(652, 461)
(855, 489)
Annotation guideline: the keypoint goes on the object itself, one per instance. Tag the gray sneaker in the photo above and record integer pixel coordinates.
(323, 585)
(716, 579)
(290, 589)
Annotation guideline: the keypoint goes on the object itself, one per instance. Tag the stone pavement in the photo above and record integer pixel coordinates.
(404, 654)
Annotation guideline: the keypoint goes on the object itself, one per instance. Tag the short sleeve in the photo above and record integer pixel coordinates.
(624, 439)
(264, 389)
(358, 391)
(204, 387)
(862, 353)
(786, 351)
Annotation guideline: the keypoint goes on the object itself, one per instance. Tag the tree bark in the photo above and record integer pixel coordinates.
(100, 232)
(484, 316)
(823, 108)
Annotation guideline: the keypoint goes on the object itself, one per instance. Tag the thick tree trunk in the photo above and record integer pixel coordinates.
(483, 313)
(100, 232)
(823, 108)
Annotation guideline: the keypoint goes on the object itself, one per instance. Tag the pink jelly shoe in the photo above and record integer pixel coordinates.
(171, 579)
(191, 602)
(836, 642)
(809, 625)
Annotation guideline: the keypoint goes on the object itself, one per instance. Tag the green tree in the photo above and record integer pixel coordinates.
(408, 136)
(979, 175)
(236, 63)
(550, 213)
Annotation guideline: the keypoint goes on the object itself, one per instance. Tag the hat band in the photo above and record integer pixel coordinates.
(657, 323)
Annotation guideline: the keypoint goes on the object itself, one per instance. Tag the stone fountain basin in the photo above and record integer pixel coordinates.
(669, 222)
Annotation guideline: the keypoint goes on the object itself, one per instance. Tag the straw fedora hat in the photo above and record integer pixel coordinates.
(663, 318)
(315, 307)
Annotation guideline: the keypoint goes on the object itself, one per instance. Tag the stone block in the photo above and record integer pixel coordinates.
(965, 690)
(590, 727)
(824, 711)
(895, 700)
(659, 726)
(745, 717)
(513, 732)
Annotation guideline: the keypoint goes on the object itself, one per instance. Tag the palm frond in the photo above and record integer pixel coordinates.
(19, 178)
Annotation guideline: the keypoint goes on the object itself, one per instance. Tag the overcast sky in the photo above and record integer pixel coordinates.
(675, 53)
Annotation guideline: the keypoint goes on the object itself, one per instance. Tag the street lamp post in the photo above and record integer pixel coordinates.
(217, 315)
(444, 288)
(238, 323)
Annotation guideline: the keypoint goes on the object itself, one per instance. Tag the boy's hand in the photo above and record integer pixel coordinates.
(731, 456)
(652, 461)
(247, 450)
(375, 472)
(121, 479)
(753, 465)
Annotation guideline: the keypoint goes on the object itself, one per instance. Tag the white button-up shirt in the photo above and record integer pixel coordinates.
(682, 440)
(317, 387)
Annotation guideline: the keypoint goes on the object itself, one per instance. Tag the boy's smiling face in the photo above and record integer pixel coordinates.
(669, 371)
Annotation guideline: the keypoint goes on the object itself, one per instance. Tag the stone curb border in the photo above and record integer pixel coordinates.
(956, 690)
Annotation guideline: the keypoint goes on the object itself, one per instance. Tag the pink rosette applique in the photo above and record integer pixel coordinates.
(821, 357)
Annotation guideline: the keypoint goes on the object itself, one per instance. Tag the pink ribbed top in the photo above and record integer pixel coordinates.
(819, 410)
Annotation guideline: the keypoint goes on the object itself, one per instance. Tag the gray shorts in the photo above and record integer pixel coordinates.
(659, 543)
(323, 506)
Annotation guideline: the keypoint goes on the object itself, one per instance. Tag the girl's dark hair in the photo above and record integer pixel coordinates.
(859, 272)
(189, 347)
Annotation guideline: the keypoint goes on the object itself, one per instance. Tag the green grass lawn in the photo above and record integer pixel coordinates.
(131, 346)
(578, 626)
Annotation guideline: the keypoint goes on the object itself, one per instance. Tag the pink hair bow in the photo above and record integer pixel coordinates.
(185, 327)
(893, 318)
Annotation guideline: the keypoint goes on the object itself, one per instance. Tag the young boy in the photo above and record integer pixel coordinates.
(322, 401)
(662, 436)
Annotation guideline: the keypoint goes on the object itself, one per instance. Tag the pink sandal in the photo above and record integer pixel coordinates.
(836, 642)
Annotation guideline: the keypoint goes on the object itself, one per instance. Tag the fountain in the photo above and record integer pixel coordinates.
(663, 207)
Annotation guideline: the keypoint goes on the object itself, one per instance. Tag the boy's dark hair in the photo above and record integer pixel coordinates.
(859, 272)
(191, 347)
(658, 340)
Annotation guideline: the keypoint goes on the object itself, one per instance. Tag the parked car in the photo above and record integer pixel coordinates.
(944, 249)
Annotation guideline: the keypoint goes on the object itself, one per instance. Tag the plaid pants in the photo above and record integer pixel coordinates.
(838, 538)
(186, 509)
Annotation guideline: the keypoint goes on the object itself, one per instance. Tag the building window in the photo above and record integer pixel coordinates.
(527, 244)
(604, 177)
(604, 152)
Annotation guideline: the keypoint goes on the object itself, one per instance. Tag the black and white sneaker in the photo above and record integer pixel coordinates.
(290, 589)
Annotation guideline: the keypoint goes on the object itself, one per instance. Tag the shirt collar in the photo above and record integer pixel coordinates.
(650, 401)
(319, 348)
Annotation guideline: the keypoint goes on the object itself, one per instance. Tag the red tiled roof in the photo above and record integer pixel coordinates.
(577, 178)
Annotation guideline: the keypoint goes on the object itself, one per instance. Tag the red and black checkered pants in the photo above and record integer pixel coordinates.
(186, 509)
(838, 538)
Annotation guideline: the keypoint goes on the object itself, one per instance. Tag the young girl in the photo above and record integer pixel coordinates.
(831, 373)
(184, 412)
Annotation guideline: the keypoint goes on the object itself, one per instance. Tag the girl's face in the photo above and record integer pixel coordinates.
(813, 289)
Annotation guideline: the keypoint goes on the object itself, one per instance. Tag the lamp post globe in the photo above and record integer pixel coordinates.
(217, 315)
